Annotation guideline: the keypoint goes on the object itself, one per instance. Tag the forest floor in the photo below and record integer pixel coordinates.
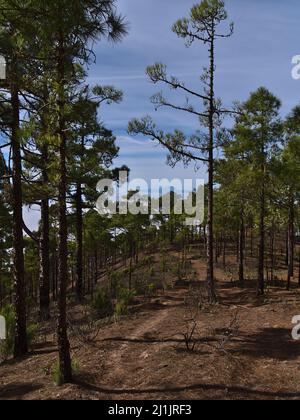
(243, 350)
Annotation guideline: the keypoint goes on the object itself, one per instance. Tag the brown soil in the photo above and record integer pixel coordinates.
(144, 355)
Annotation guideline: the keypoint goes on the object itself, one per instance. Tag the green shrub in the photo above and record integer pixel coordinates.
(147, 261)
(120, 309)
(7, 346)
(56, 372)
(32, 331)
(126, 296)
(152, 288)
(101, 304)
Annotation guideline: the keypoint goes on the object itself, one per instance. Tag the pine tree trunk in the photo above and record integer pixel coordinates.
(210, 234)
(20, 345)
(79, 238)
(287, 248)
(224, 251)
(299, 272)
(44, 279)
(261, 258)
(251, 242)
(241, 251)
(273, 261)
(62, 333)
(44, 263)
(291, 246)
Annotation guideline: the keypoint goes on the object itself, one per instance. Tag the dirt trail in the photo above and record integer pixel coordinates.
(134, 350)
(122, 355)
(144, 356)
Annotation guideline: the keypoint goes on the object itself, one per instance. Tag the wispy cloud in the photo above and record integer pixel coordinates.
(266, 37)
(117, 78)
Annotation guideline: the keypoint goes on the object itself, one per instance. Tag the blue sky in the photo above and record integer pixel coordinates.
(259, 54)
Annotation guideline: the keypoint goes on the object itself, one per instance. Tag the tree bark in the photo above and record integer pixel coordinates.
(261, 258)
(79, 238)
(63, 341)
(44, 279)
(299, 272)
(291, 239)
(241, 251)
(224, 251)
(210, 233)
(20, 344)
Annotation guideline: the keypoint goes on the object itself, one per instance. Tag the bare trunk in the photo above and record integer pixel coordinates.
(291, 239)
(45, 249)
(62, 333)
(20, 345)
(44, 263)
(210, 233)
(241, 251)
(261, 258)
(79, 237)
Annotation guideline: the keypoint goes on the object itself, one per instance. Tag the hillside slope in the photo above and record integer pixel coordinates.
(243, 350)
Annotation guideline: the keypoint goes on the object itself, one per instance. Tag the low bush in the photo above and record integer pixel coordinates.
(7, 346)
(126, 296)
(101, 304)
(151, 289)
(56, 372)
(120, 309)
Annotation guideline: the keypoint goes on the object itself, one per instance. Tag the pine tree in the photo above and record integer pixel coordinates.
(66, 32)
(14, 43)
(92, 150)
(257, 132)
(202, 25)
(288, 173)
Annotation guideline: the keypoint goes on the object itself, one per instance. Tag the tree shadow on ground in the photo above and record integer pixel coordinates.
(155, 340)
(234, 391)
(275, 343)
(18, 390)
(245, 296)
